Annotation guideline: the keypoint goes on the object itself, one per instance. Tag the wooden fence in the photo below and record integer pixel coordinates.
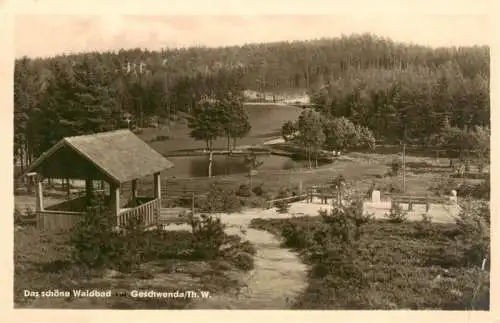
(58, 220)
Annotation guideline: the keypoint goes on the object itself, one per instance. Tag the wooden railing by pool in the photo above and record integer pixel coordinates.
(148, 212)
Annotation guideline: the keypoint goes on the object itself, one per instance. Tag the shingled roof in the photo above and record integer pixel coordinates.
(120, 155)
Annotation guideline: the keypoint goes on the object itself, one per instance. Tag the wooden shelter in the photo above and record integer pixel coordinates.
(115, 158)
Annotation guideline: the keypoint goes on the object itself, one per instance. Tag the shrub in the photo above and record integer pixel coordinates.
(396, 214)
(282, 206)
(98, 244)
(247, 247)
(161, 244)
(370, 191)
(393, 188)
(337, 244)
(344, 223)
(474, 226)
(259, 190)
(478, 191)
(424, 226)
(221, 200)
(130, 245)
(295, 237)
(95, 242)
(244, 191)
(443, 186)
(396, 165)
(254, 202)
(208, 236)
(243, 261)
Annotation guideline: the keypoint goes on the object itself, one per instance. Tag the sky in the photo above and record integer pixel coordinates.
(39, 32)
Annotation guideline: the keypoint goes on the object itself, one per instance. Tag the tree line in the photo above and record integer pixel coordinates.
(395, 90)
(316, 133)
(409, 104)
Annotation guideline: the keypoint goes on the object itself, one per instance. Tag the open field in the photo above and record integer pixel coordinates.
(361, 171)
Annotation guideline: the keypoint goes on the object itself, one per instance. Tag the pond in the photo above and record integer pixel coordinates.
(197, 166)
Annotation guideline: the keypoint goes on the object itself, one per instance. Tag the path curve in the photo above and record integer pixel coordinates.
(278, 275)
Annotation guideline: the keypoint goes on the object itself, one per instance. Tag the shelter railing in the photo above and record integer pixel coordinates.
(48, 220)
(148, 212)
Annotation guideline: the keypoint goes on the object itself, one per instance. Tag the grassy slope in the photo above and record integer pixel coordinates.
(403, 268)
(360, 170)
(49, 267)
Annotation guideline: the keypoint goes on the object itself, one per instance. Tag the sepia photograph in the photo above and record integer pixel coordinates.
(251, 162)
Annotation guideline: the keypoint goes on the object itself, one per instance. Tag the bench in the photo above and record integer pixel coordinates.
(423, 200)
(323, 192)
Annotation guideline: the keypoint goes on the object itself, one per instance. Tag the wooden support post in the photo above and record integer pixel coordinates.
(164, 192)
(404, 168)
(210, 161)
(410, 205)
(89, 189)
(157, 186)
(300, 188)
(427, 206)
(39, 194)
(192, 203)
(134, 191)
(115, 198)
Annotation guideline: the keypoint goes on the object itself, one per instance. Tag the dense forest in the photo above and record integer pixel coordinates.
(398, 91)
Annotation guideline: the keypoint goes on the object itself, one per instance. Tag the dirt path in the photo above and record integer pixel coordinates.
(278, 275)
(277, 278)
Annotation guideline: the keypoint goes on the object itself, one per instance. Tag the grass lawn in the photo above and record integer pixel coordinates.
(43, 262)
(361, 170)
(401, 266)
(272, 181)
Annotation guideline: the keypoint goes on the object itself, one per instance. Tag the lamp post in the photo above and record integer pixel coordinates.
(404, 168)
